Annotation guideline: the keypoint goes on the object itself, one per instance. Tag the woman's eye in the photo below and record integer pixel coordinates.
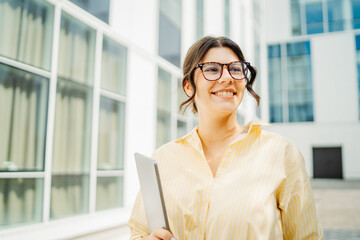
(236, 70)
(211, 70)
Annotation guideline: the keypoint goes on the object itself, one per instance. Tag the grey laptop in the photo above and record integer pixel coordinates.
(151, 191)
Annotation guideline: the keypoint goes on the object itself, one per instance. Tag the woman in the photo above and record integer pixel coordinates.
(223, 180)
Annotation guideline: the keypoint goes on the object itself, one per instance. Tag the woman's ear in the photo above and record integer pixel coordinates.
(188, 88)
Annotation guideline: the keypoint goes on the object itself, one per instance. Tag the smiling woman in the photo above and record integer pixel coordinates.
(223, 180)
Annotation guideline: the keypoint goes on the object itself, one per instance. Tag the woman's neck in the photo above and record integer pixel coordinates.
(218, 129)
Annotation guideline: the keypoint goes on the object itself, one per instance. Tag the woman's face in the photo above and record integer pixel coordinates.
(217, 97)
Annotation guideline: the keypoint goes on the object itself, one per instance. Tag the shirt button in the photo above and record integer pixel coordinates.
(230, 150)
(202, 215)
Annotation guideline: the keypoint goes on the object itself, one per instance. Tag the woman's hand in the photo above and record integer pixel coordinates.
(160, 234)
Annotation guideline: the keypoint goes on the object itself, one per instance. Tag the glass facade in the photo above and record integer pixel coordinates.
(299, 82)
(170, 30)
(26, 31)
(290, 82)
(357, 41)
(275, 83)
(163, 134)
(227, 18)
(199, 19)
(26, 45)
(20, 201)
(99, 9)
(318, 16)
(23, 104)
(171, 122)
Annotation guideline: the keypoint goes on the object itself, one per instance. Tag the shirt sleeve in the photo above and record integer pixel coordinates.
(137, 222)
(296, 201)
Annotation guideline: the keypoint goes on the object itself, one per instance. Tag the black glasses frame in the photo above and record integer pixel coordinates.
(200, 65)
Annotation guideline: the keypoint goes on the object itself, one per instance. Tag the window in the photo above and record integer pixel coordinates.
(227, 18)
(113, 73)
(73, 115)
(318, 16)
(336, 15)
(356, 13)
(163, 107)
(199, 18)
(314, 17)
(275, 83)
(20, 201)
(26, 31)
(300, 97)
(23, 104)
(357, 40)
(170, 30)
(290, 82)
(171, 122)
(99, 9)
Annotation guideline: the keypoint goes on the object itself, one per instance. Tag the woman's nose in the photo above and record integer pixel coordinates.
(225, 76)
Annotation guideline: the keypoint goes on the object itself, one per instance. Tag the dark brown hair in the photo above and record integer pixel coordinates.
(197, 52)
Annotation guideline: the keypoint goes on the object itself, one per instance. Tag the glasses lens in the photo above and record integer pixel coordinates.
(212, 71)
(238, 70)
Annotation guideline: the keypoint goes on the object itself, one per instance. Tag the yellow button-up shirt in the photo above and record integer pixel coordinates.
(260, 190)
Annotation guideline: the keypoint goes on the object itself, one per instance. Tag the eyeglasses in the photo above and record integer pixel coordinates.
(213, 71)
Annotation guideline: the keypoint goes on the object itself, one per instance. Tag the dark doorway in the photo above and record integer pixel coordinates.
(327, 162)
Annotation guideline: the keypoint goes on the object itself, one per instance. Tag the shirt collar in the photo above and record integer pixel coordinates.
(194, 139)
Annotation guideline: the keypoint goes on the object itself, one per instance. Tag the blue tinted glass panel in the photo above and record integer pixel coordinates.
(356, 13)
(99, 9)
(314, 18)
(274, 51)
(335, 15)
(357, 39)
(298, 48)
(295, 17)
(275, 83)
(299, 81)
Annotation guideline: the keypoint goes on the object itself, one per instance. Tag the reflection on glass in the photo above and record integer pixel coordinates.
(295, 17)
(314, 18)
(163, 107)
(181, 97)
(113, 66)
(26, 31)
(76, 50)
(357, 40)
(69, 195)
(299, 82)
(227, 17)
(73, 111)
(275, 83)
(23, 107)
(356, 13)
(335, 15)
(111, 134)
(99, 9)
(181, 128)
(170, 30)
(20, 201)
(199, 18)
(109, 192)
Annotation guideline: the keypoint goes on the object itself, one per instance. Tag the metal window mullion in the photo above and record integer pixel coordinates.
(26, 67)
(284, 85)
(325, 16)
(173, 123)
(347, 15)
(51, 114)
(22, 175)
(95, 122)
(302, 18)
